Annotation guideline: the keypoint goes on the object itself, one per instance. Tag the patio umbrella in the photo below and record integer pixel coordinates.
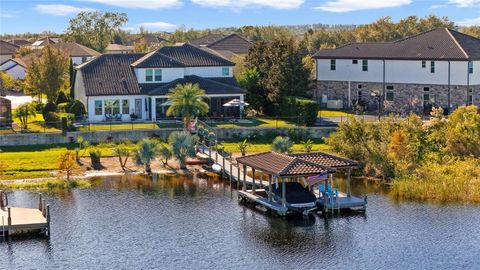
(236, 103)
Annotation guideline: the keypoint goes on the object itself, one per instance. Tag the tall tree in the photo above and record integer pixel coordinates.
(48, 73)
(187, 102)
(281, 71)
(95, 29)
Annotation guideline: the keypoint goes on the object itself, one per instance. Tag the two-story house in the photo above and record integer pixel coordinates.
(138, 84)
(440, 67)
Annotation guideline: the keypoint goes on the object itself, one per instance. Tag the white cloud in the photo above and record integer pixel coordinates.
(464, 3)
(61, 10)
(238, 4)
(352, 5)
(469, 22)
(146, 4)
(158, 25)
(7, 15)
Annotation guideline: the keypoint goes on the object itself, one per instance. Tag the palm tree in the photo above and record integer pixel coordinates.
(24, 112)
(183, 146)
(147, 151)
(282, 144)
(187, 102)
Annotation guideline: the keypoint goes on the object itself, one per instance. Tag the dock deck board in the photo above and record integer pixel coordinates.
(23, 218)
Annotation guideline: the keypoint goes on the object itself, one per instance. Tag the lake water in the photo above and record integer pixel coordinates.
(193, 223)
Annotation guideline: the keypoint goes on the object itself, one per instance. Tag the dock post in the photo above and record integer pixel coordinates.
(43, 208)
(40, 202)
(349, 187)
(230, 175)
(269, 187)
(223, 166)
(284, 193)
(238, 177)
(244, 188)
(48, 220)
(9, 219)
(209, 150)
(253, 180)
(261, 180)
(216, 157)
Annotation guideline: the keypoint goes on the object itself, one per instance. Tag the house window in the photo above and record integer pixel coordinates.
(470, 67)
(426, 98)
(125, 106)
(225, 72)
(359, 86)
(333, 64)
(158, 75)
(365, 65)
(84, 59)
(424, 64)
(98, 107)
(354, 61)
(426, 89)
(112, 106)
(432, 67)
(149, 75)
(389, 96)
(389, 87)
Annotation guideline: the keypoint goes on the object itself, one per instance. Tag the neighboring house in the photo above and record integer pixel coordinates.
(138, 84)
(440, 67)
(14, 67)
(20, 42)
(5, 113)
(7, 51)
(78, 53)
(149, 39)
(119, 49)
(227, 46)
(40, 43)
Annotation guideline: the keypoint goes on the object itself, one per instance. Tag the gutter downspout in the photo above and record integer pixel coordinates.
(383, 85)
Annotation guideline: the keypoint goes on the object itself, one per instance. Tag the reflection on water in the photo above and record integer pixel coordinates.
(184, 222)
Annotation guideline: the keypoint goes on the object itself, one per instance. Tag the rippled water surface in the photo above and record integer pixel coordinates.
(193, 223)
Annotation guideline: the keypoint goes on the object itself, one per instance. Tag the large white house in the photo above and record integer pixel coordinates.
(126, 86)
(440, 67)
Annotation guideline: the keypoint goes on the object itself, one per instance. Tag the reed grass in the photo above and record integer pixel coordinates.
(53, 184)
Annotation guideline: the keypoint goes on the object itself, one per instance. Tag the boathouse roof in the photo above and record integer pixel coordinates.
(325, 159)
(283, 165)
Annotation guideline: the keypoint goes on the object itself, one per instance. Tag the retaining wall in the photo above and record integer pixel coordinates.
(138, 134)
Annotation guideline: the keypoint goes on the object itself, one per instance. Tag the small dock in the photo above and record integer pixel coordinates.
(17, 220)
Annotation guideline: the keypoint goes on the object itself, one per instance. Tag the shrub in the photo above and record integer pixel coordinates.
(49, 107)
(38, 106)
(183, 146)
(147, 151)
(298, 134)
(282, 145)
(62, 107)
(61, 98)
(95, 156)
(305, 109)
(24, 112)
(67, 164)
(76, 107)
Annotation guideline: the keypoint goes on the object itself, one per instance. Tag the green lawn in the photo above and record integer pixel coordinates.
(257, 122)
(265, 147)
(333, 113)
(36, 161)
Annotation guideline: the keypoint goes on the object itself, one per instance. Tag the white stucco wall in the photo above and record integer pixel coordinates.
(207, 72)
(168, 74)
(125, 115)
(78, 60)
(399, 71)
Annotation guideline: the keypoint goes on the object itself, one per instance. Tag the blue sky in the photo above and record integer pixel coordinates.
(17, 16)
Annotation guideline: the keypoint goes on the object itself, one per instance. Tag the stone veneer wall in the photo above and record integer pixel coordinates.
(407, 97)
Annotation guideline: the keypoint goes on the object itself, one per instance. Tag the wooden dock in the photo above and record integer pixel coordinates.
(17, 220)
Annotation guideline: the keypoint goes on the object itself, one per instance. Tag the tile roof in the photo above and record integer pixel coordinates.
(436, 44)
(234, 43)
(209, 85)
(326, 159)
(110, 74)
(20, 42)
(205, 40)
(7, 48)
(156, 59)
(192, 56)
(76, 50)
(282, 165)
(118, 47)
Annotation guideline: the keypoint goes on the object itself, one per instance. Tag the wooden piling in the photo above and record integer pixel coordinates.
(244, 188)
(48, 220)
(253, 181)
(43, 208)
(238, 177)
(40, 202)
(223, 166)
